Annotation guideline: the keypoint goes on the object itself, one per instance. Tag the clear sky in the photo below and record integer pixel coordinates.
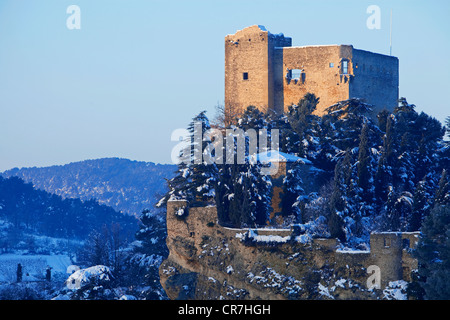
(137, 70)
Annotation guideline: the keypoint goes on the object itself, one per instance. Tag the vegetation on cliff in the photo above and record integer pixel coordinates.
(383, 171)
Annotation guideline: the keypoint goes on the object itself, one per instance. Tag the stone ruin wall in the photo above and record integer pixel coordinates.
(208, 261)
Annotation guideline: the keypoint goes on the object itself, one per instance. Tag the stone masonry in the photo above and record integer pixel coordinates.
(208, 261)
(264, 70)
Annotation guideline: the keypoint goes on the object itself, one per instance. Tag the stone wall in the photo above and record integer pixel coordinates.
(208, 261)
(267, 58)
(247, 52)
(375, 78)
(318, 77)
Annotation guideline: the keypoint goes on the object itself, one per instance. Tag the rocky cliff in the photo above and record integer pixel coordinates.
(208, 261)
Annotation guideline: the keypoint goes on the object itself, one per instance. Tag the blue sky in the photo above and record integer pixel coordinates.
(137, 70)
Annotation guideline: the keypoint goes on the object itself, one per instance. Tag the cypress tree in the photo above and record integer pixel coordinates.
(423, 202)
(339, 206)
(386, 163)
(363, 166)
(443, 191)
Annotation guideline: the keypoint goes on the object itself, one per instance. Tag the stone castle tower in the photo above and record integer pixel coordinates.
(264, 70)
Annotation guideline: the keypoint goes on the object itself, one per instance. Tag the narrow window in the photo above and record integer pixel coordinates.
(245, 76)
(406, 243)
(344, 67)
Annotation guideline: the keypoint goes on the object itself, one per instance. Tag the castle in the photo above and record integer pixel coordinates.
(210, 261)
(264, 70)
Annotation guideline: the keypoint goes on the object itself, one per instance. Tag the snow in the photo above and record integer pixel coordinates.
(185, 172)
(271, 238)
(160, 202)
(310, 46)
(278, 156)
(308, 232)
(304, 238)
(253, 234)
(324, 291)
(33, 266)
(84, 276)
(269, 278)
(340, 283)
(180, 212)
(352, 251)
(230, 269)
(396, 290)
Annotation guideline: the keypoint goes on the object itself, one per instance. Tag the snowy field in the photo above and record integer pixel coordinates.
(33, 266)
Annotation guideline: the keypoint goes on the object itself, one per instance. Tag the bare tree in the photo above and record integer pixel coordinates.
(225, 115)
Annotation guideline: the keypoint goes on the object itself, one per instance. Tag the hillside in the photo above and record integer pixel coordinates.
(125, 185)
(26, 210)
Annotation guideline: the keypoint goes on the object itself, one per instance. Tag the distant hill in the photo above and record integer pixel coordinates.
(38, 212)
(125, 185)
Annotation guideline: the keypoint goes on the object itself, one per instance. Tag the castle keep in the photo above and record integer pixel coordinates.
(264, 70)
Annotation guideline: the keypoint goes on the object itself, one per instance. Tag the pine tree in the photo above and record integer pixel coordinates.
(289, 139)
(293, 198)
(383, 117)
(304, 123)
(245, 198)
(429, 134)
(96, 250)
(242, 193)
(447, 125)
(420, 136)
(422, 204)
(252, 118)
(152, 234)
(347, 119)
(195, 177)
(397, 211)
(433, 254)
(143, 264)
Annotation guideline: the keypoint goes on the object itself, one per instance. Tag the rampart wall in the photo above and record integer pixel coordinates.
(208, 261)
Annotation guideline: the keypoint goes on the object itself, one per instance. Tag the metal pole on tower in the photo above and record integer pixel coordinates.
(390, 36)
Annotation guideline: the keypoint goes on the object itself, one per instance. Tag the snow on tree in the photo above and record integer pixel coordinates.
(305, 125)
(433, 254)
(443, 190)
(195, 176)
(242, 193)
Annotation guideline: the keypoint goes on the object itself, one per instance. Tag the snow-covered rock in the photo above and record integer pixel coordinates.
(93, 274)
